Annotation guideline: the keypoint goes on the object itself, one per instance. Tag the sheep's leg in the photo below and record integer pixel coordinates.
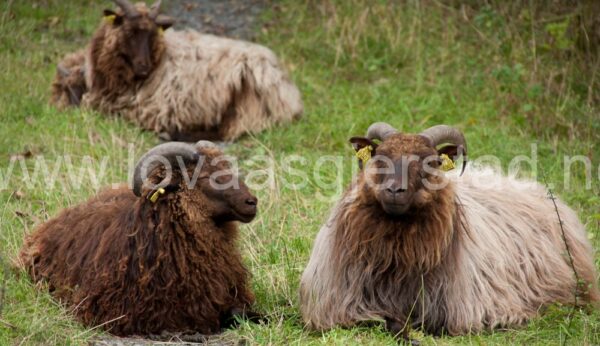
(229, 319)
(399, 328)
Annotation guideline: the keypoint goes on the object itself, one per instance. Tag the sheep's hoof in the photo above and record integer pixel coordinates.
(399, 329)
(165, 136)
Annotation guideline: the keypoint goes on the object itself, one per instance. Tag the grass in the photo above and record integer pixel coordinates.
(499, 77)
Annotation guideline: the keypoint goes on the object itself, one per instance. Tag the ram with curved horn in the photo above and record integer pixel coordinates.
(160, 260)
(414, 246)
(183, 85)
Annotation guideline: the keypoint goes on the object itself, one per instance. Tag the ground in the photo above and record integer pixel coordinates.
(232, 18)
(510, 77)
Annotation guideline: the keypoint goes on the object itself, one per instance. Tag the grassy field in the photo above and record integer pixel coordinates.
(508, 81)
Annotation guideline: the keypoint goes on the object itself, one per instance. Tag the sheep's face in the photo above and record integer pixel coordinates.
(71, 82)
(218, 191)
(139, 39)
(403, 172)
(230, 197)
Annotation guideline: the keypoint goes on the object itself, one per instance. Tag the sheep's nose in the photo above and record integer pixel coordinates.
(395, 190)
(252, 201)
(142, 69)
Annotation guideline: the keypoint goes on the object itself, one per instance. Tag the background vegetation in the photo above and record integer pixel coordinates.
(507, 75)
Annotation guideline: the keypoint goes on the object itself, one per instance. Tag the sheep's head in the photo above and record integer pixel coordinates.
(403, 172)
(139, 31)
(71, 83)
(200, 175)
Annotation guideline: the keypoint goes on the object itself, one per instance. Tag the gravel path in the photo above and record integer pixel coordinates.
(232, 18)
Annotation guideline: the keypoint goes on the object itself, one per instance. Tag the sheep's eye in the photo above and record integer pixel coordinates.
(432, 162)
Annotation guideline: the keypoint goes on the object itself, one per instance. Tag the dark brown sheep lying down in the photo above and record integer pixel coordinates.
(155, 260)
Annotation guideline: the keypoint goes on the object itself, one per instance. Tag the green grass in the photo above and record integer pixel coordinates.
(497, 77)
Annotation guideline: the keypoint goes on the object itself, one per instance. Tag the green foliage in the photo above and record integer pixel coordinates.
(559, 33)
(413, 64)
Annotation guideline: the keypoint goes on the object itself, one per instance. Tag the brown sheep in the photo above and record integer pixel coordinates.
(183, 85)
(69, 86)
(139, 265)
(412, 246)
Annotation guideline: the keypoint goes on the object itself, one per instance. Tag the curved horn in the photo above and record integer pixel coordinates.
(440, 134)
(154, 9)
(380, 131)
(169, 151)
(164, 21)
(128, 9)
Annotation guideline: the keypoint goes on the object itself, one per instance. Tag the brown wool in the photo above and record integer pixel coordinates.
(140, 267)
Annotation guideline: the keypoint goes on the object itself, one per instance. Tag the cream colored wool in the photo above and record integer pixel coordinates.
(199, 78)
(509, 262)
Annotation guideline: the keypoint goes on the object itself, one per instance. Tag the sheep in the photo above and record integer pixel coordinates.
(183, 85)
(160, 259)
(69, 86)
(413, 246)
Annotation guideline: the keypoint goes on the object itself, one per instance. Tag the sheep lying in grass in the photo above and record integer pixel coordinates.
(455, 259)
(69, 84)
(152, 260)
(181, 84)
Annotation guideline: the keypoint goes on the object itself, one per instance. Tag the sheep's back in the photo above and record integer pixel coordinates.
(65, 250)
(513, 256)
(198, 79)
(507, 261)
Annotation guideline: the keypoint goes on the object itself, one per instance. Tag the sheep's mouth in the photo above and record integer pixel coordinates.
(245, 217)
(138, 74)
(395, 209)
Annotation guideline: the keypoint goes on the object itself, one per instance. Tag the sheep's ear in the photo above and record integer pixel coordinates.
(359, 143)
(154, 195)
(113, 17)
(454, 153)
(365, 149)
(164, 22)
(450, 150)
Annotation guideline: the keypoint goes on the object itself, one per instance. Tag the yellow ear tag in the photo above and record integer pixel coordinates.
(161, 31)
(364, 154)
(447, 163)
(110, 19)
(156, 194)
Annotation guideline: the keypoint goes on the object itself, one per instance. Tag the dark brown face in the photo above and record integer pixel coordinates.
(209, 187)
(401, 172)
(230, 199)
(198, 179)
(140, 40)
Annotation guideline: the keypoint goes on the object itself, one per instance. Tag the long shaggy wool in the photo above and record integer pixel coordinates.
(475, 259)
(202, 82)
(137, 267)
